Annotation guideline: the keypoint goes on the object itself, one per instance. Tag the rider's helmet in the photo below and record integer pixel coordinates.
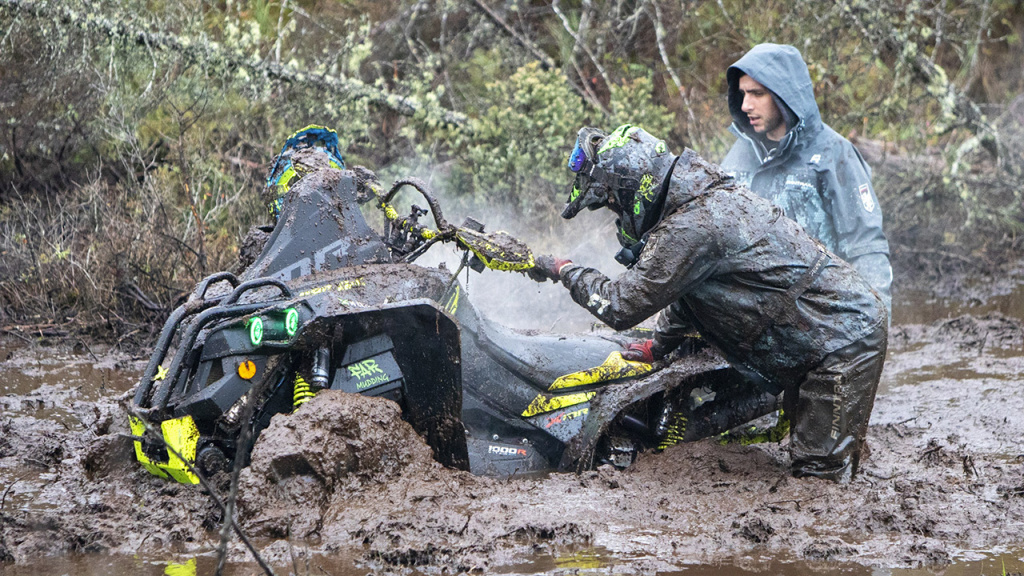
(626, 171)
(307, 150)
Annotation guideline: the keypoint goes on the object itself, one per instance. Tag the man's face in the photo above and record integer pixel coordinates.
(765, 117)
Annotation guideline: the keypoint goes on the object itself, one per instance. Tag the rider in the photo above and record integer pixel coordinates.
(712, 256)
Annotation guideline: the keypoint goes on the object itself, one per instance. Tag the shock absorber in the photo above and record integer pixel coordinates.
(303, 390)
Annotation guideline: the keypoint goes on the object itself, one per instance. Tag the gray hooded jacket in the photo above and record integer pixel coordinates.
(815, 175)
(720, 260)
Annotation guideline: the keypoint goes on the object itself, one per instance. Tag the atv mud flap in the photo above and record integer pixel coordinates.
(609, 402)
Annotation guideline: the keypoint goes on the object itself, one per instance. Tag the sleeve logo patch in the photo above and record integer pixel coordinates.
(866, 199)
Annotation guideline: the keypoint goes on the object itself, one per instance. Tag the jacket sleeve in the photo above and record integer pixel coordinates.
(857, 218)
(679, 255)
(673, 328)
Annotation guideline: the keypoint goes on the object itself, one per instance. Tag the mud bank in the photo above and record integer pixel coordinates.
(345, 475)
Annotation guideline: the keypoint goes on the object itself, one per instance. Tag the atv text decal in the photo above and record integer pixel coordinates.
(340, 287)
(566, 416)
(505, 450)
(368, 369)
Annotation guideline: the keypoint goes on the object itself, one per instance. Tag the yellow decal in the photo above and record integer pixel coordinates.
(646, 187)
(138, 428)
(544, 403)
(615, 367)
(314, 291)
(285, 179)
(350, 284)
(246, 370)
(495, 257)
(182, 436)
(453, 301)
(340, 287)
(186, 569)
(161, 373)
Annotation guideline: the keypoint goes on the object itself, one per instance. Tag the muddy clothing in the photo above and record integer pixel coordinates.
(815, 175)
(756, 286)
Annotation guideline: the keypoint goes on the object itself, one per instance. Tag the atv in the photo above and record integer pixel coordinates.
(330, 303)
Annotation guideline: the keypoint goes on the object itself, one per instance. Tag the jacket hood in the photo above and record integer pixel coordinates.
(781, 69)
(692, 176)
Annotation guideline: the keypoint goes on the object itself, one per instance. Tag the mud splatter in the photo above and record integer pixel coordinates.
(347, 475)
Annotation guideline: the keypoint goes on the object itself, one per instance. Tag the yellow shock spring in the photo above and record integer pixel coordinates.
(675, 432)
(302, 392)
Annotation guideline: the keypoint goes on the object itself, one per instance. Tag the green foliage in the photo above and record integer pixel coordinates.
(633, 102)
(519, 144)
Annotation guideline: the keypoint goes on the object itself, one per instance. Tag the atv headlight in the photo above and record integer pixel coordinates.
(291, 322)
(255, 330)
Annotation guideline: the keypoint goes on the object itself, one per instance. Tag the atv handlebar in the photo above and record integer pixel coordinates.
(497, 251)
(421, 187)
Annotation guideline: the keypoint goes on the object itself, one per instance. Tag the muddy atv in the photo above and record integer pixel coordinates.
(331, 303)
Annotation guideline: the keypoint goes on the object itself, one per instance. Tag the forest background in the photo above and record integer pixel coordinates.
(136, 135)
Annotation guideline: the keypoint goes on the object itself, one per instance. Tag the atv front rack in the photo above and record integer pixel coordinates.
(206, 310)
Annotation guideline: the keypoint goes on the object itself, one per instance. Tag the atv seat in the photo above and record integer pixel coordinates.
(537, 358)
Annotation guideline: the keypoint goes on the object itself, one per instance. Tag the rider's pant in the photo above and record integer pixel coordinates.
(830, 409)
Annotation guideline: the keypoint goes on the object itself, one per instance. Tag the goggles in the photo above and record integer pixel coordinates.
(578, 157)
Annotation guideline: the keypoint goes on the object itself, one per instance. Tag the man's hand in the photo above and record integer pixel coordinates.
(642, 351)
(547, 268)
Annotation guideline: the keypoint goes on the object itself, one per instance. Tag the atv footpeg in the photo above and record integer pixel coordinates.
(619, 451)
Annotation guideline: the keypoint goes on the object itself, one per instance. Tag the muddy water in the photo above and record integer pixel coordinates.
(586, 562)
(942, 492)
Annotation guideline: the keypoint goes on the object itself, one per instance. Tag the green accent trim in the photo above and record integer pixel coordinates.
(575, 194)
(618, 138)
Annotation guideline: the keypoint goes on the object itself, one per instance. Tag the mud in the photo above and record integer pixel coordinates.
(346, 476)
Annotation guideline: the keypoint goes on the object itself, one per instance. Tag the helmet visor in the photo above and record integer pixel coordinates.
(577, 158)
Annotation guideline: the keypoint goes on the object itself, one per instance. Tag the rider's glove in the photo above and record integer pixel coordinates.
(642, 351)
(547, 268)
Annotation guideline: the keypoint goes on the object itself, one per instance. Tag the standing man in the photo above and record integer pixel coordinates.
(786, 154)
(710, 255)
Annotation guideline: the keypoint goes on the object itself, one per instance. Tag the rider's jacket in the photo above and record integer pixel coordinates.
(722, 260)
(815, 175)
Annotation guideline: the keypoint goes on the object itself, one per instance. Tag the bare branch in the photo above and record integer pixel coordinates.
(659, 33)
(545, 60)
(580, 44)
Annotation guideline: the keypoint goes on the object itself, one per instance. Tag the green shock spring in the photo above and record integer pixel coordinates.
(674, 432)
(303, 392)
